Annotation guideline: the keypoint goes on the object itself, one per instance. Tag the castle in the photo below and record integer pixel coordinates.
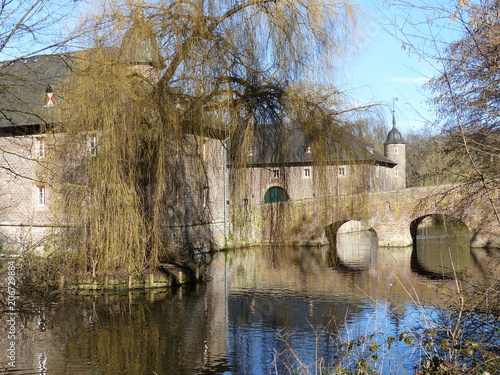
(289, 167)
(202, 207)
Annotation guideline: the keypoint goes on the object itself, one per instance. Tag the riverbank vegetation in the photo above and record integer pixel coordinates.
(463, 338)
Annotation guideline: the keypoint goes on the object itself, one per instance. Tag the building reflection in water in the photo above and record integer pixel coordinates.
(259, 304)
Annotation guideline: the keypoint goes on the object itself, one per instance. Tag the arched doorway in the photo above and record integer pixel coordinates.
(275, 194)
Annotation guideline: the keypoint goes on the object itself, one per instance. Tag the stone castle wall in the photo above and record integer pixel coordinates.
(28, 203)
(393, 215)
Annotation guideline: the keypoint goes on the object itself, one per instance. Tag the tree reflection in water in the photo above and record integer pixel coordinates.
(260, 302)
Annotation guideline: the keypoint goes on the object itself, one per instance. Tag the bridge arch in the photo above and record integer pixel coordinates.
(455, 224)
(441, 246)
(352, 243)
(331, 231)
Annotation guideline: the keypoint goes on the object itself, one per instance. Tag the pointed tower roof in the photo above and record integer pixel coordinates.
(394, 136)
(140, 46)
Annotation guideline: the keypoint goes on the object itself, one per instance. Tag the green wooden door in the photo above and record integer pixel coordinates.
(275, 194)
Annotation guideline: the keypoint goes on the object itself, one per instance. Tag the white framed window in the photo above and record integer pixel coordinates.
(307, 173)
(341, 171)
(395, 150)
(276, 173)
(39, 148)
(41, 195)
(92, 143)
(245, 201)
(377, 171)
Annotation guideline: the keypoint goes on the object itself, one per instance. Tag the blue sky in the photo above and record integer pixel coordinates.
(383, 70)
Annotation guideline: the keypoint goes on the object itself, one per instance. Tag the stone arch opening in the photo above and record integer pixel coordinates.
(441, 246)
(449, 224)
(352, 244)
(276, 194)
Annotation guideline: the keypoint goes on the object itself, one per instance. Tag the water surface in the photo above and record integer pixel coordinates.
(264, 310)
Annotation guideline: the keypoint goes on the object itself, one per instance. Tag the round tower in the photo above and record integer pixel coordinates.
(395, 149)
(140, 50)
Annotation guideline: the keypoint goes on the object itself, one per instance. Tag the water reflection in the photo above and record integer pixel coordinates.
(356, 245)
(166, 333)
(261, 305)
(352, 246)
(442, 247)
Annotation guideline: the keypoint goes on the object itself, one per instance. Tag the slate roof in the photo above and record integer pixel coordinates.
(23, 82)
(394, 136)
(23, 85)
(278, 146)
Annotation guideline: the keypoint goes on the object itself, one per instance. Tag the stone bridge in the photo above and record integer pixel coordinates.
(393, 215)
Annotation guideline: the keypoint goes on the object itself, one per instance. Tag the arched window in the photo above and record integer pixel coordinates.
(275, 194)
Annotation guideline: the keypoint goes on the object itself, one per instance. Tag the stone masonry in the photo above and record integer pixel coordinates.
(393, 215)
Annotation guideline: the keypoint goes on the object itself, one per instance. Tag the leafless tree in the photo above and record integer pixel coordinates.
(461, 40)
(29, 27)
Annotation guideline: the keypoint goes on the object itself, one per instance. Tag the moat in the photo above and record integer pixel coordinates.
(262, 311)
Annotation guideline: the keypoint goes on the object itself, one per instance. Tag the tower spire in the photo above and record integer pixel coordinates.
(394, 136)
(394, 112)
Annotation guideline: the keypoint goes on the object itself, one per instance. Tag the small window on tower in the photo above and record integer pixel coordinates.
(307, 173)
(395, 150)
(276, 173)
(41, 195)
(206, 196)
(341, 171)
(39, 148)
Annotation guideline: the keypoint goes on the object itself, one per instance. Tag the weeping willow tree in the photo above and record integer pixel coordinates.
(131, 161)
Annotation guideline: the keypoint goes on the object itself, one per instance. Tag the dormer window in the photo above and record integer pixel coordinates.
(250, 152)
(49, 97)
(308, 150)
